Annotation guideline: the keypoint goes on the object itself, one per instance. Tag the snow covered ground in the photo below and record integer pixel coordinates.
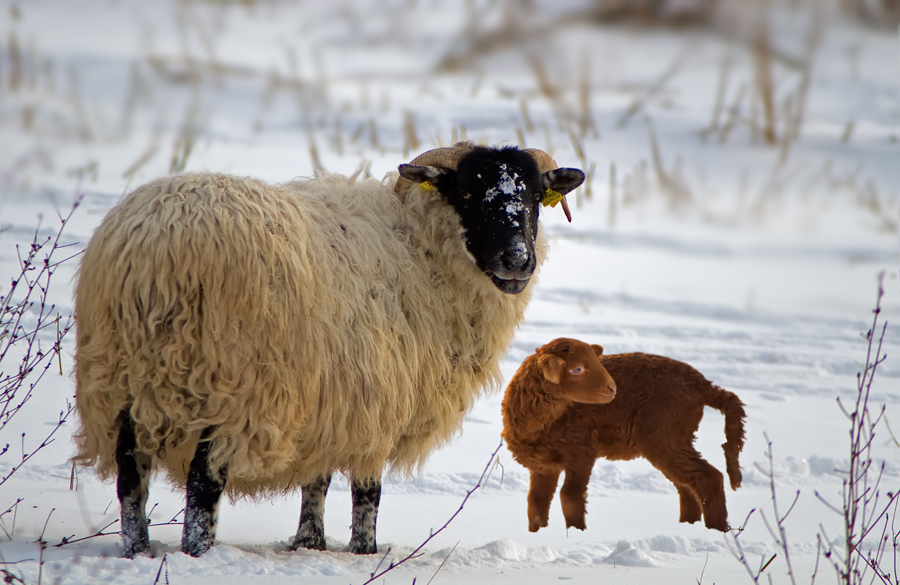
(755, 263)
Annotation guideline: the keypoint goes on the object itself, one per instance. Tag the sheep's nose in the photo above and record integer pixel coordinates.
(612, 389)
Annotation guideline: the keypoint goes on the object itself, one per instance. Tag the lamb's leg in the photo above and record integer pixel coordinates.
(311, 532)
(689, 504)
(202, 509)
(131, 487)
(573, 496)
(366, 497)
(540, 494)
(686, 467)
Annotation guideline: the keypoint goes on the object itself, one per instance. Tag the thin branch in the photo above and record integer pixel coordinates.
(417, 552)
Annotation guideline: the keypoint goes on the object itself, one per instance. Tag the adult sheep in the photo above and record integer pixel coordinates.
(249, 338)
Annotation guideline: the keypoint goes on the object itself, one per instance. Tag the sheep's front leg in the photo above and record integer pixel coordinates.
(311, 532)
(540, 494)
(366, 497)
(202, 509)
(573, 496)
(131, 487)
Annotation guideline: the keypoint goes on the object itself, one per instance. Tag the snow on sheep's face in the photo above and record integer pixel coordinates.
(497, 194)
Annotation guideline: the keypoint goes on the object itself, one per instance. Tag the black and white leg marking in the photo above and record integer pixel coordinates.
(366, 497)
(131, 486)
(202, 509)
(311, 532)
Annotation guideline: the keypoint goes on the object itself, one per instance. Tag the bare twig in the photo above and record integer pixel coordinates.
(375, 575)
(864, 509)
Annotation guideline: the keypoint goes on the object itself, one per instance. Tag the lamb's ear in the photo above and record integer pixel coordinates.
(598, 349)
(552, 367)
(561, 180)
(424, 176)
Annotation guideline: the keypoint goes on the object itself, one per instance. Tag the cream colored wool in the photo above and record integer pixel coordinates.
(322, 325)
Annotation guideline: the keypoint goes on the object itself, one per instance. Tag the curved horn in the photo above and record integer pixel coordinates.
(546, 163)
(444, 158)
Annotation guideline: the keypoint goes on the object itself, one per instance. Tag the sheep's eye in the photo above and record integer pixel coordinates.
(578, 370)
(467, 196)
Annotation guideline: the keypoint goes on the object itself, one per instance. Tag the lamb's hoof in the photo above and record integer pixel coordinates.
(535, 524)
(576, 523)
(721, 525)
(309, 542)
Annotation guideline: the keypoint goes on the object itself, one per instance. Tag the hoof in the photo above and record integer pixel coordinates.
(362, 548)
(309, 542)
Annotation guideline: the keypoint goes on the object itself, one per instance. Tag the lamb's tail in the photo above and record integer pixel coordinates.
(731, 406)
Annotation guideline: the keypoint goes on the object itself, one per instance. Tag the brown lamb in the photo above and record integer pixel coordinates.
(569, 404)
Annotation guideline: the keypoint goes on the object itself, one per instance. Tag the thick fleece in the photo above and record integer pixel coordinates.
(655, 414)
(315, 326)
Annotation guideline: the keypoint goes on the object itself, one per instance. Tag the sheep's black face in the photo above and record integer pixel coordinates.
(497, 194)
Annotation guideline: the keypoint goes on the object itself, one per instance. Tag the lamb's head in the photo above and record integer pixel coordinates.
(497, 193)
(575, 367)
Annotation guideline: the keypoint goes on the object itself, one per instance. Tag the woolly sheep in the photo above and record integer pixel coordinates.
(249, 338)
(569, 404)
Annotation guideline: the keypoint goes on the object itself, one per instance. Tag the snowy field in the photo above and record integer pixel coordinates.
(743, 197)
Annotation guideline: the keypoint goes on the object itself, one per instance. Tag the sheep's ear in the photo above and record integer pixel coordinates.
(598, 349)
(552, 367)
(561, 180)
(423, 175)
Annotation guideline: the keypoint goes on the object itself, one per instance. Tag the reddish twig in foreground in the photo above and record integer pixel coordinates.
(374, 575)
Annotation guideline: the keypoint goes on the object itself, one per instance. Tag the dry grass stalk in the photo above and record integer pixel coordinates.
(848, 131)
(521, 137)
(611, 216)
(790, 105)
(526, 117)
(811, 46)
(671, 184)
(318, 167)
(721, 90)
(186, 139)
(582, 156)
(357, 133)
(373, 134)
(733, 114)
(338, 136)
(586, 117)
(84, 125)
(640, 101)
(762, 61)
(14, 80)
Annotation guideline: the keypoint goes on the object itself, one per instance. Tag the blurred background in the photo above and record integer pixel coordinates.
(680, 101)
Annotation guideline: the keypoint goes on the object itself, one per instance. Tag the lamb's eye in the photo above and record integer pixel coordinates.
(467, 196)
(576, 371)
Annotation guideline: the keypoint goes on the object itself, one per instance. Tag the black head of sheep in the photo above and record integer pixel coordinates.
(497, 194)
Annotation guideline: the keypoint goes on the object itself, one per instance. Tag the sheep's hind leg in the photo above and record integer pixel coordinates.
(202, 509)
(685, 466)
(311, 532)
(366, 497)
(131, 487)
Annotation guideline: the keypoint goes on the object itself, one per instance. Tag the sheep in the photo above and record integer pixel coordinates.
(569, 404)
(247, 339)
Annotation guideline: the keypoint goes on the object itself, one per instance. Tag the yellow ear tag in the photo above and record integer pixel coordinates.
(428, 186)
(551, 198)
